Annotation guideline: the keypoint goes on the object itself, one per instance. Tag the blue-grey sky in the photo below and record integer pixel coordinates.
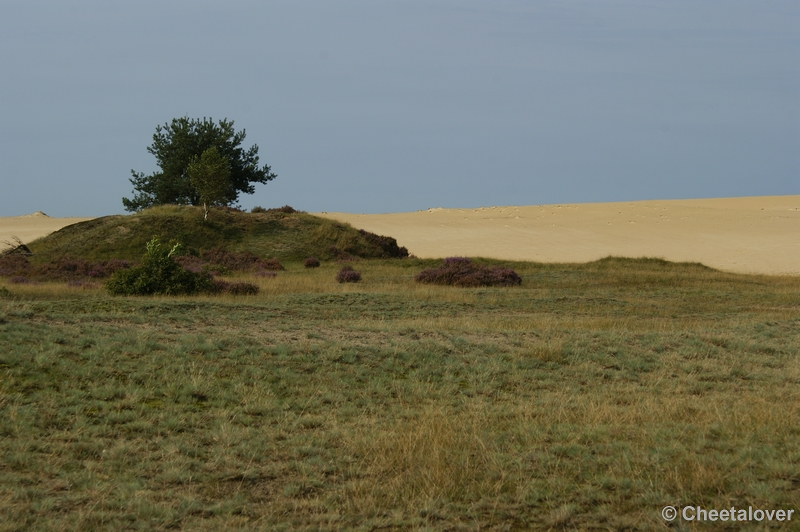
(374, 106)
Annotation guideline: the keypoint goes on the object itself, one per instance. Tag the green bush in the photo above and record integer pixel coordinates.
(158, 274)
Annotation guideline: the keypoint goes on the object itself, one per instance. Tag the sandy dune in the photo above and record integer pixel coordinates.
(32, 226)
(748, 235)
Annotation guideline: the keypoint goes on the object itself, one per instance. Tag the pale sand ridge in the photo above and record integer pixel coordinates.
(747, 235)
(29, 227)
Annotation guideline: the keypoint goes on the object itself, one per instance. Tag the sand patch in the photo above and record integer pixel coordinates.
(747, 235)
(29, 227)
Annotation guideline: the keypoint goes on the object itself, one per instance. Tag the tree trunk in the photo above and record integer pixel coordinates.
(205, 211)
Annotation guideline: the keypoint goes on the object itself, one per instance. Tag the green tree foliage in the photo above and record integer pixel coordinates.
(210, 175)
(158, 274)
(176, 145)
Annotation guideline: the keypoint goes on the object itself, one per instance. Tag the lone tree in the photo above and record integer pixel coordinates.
(210, 175)
(179, 143)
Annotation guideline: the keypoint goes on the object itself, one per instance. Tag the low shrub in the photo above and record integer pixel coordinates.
(218, 285)
(311, 262)
(234, 288)
(66, 269)
(158, 274)
(18, 279)
(271, 264)
(460, 271)
(242, 289)
(348, 275)
(388, 245)
(107, 268)
(339, 254)
(13, 265)
(228, 260)
(192, 263)
(285, 209)
(62, 269)
(265, 273)
(238, 261)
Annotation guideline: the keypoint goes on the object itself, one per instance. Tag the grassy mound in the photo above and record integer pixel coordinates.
(285, 236)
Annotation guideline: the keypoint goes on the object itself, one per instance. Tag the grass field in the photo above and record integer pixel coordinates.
(587, 398)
